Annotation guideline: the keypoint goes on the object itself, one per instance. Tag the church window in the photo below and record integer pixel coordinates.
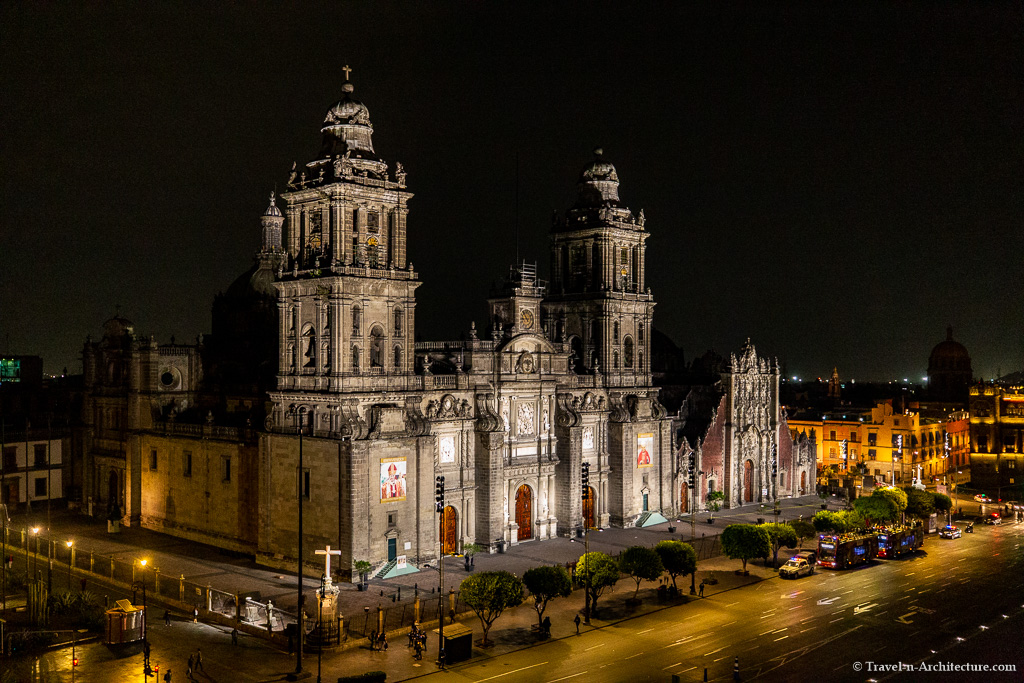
(615, 360)
(853, 436)
(398, 321)
(355, 320)
(640, 360)
(398, 358)
(711, 485)
(372, 221)
(627, 352)
(615, 331)
(310, 353)
(152, 459)
(782, 479)
(294, 319)
(376, 347)
(576, 358)
(186, 457)
(225, 469)
(832, 436)
(355, 359)
(640, 332)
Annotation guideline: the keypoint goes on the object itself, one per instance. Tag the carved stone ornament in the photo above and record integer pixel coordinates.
(446, 449)
(525, 363)
(505, 413)
(588, 438)
(524, 424)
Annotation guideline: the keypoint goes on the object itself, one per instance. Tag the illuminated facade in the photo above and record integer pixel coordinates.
(997, 440)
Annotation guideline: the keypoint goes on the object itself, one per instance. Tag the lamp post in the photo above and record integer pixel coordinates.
(585, 479)
(35, 557)
(299, 415)
(145, 619)
(320, 625)
(439, 500)
(70, 544)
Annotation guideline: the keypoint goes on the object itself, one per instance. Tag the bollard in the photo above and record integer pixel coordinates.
(736, 670)
(209, 600)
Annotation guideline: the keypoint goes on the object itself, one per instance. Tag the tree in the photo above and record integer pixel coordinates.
(875, 508)
(362, 567)
(678, 558)
(899, 498)
(715, 499)
(745, 542)
(803, 529)
(920, 503)
(489, 594)
(596, 571)
(642, 564)
(943, 503)
(779, 536)
(546, 583)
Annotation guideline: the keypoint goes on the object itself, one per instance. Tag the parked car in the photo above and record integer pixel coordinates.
(796, 567)
(994, 518)
(982, 498)
(949, 531)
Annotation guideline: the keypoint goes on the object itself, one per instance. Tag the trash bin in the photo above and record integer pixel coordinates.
(458, 643)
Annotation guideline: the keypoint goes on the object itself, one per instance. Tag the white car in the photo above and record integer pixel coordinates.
(982, 498)
(795, 568)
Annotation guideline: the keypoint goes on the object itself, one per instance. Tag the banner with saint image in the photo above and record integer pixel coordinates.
(644, 449)
(392, 479)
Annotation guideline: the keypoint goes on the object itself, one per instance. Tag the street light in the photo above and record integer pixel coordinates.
(69, 543)
(35, 558)
(145, 619)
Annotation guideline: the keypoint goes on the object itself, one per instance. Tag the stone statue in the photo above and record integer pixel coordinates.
(399, 173)
(292, 176)
(641, 219)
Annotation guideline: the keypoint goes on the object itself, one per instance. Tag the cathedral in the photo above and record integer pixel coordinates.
(311, 388)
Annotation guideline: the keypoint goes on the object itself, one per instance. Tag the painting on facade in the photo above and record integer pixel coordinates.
(392, 479)
(644, 447)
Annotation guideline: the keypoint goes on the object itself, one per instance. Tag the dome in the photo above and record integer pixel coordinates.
(117, 327)
(272, 209)
(949, 355)
(347, 128)
(347, 110)
(599, 183)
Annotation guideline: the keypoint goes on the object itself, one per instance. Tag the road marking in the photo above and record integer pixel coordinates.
(670, 666)
(512, 672)
(640, 633)
(714, 651)
(563, 678)
(904, 620)
(835, 620)
(795, 607)
(631, 656)
(765, 633)
(733, 603)
(864, 607)
(827, 601)
(782, 638)
(593, 647)
(780, 630)
(718, 660)
(729, 624)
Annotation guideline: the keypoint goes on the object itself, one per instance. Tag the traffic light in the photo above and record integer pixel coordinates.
(439, 492)
(693, 475)
(585, 479)
(74, 661)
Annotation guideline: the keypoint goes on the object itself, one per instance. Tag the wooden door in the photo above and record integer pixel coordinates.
(748, 481)
(684, 498)
(449, 531)
(524, 512)
(588, 508)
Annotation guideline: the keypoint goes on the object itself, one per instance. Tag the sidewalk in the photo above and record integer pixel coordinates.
(205, 565)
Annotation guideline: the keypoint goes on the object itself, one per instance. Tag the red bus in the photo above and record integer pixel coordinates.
(846, 550)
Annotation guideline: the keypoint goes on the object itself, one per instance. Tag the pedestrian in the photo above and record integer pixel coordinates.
(547, 626)
(191, 665)
(167, 617)
(384, 641)
(701, 593)
(199, 661)
(167, 676)
(417, 650)
(373, 639)
(195, 615)
(234, 636)
(577, 622)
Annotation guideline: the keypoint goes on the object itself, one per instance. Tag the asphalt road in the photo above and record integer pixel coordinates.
(814, 628)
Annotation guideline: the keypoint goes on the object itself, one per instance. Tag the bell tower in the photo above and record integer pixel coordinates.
(599, 303)
(346, 298)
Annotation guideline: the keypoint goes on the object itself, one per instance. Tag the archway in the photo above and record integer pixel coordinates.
(524, 512)
(748, 481)
(449, 531)
(803, 482)
(588, 508)
(684, 498)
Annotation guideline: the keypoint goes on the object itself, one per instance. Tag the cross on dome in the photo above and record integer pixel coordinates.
(347, 71)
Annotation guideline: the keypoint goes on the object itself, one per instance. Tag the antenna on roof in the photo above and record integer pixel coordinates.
(517, 207)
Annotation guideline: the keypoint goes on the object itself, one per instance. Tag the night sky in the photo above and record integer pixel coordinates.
(839, 184)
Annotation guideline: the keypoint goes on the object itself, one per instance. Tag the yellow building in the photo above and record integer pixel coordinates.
(888, 446)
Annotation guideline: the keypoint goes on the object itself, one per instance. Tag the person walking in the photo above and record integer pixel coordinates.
(167, 676)
(736, 670)
(577, 622)
(167, 617)
(199, 661)
(195, 615)
(417, 650)
(701, 592)
(234, 636)
(546, 626)
(384, 641)
(373, 639)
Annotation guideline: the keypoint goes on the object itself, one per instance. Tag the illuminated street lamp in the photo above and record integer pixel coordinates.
(35, 559)
(70, 544)
(145, 618)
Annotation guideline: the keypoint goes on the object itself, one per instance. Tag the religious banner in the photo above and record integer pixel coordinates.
(392, 479)
(446, 447)
(644, 446)
(402, 562)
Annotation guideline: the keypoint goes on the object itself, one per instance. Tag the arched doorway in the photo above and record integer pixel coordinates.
(684, 498)
(748, 481)
(524, 512)
(449, 531)
(803, 482)
(588, 508)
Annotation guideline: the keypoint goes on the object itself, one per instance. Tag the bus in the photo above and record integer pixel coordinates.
(846, 550)
(896, 541)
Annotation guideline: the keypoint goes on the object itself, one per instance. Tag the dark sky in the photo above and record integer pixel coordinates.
(837, 183)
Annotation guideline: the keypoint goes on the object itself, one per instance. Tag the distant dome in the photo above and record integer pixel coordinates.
(949, 355)
(118, 327)
(598, 185)
(272, 209)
